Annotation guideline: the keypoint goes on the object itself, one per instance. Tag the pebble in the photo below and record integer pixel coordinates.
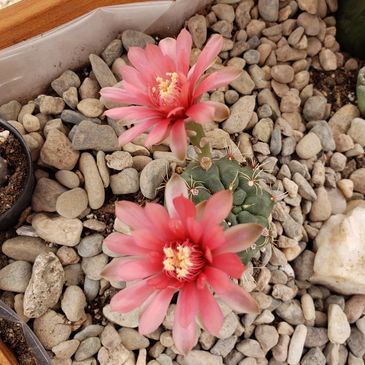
(45, 195)
(198, 28)
(267, 336)
(297, 344)
(87, 348)
(10, 110)
(250, 347)
(356, 342)
(116, 356)
(357, 131)
(119, 160)
(72, 203)
(229, 326)
(103, 169)
(263, 130)
(358, 179)
(67, 178)
(110, 337)
(197, 357)
(308, 146)
(134, 38)
(65, 81)
(321, 207)
(282, 73)
(65, 349)
(15, 276)
(316, 337)
(315, 108)
(60, 230)
(31, 123)
(92, 330)
(354, 307)
(328, 60)
(338, 326)
(304, 188)
(45, 285)
(102, 72)
(90, 107)
(91, 136)
(126, 182)
(291, 312)
(90, 245)
(132, 340)
(324, 133)
(93, 266)
(93, 183)
(51, 105)
(308, 307)
(152, 176)
(269, 10)
(23, 248)
(73, 303)
(241, 113)
(129, 319)
(243, 84)
(313, 357)
(58, 152)
(74, 117)
(51, 329)
(94, 225)
(112, 51)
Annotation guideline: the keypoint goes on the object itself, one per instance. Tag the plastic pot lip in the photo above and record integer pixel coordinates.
(8, 217)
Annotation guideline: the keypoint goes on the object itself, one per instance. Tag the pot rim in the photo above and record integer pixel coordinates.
(28, 182)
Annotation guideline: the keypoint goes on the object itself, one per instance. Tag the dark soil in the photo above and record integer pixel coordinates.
(12, 335)
(337, 86)
(12, 151)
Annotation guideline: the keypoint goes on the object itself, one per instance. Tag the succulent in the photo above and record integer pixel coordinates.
(360, 91)
(251, 204)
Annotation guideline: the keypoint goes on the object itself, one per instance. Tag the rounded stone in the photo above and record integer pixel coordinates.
(67, 178)
(72, 203)
(315, 108)
(73, 303)
(15, 276)
(282, 73)
(308, 146)
(31, 123)
(90, 245)
(152, 177)
(90, 107)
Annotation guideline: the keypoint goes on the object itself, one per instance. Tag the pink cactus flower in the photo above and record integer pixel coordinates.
(165, 94)
(183, 250)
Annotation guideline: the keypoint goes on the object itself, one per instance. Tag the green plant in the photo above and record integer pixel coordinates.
(360, 91)
(251, 204)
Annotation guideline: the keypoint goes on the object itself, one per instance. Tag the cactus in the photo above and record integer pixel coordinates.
(250, 203)
(360, 91)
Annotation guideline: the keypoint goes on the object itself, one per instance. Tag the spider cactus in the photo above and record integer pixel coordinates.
(250, 203)
(360, 91)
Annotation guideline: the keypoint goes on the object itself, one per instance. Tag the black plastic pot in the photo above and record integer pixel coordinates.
(9, 218)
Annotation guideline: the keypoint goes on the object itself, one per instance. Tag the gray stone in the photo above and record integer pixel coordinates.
(119, 160)
(357, 131)
(91, 107)
(87, 348)
(90, 245)
(250, 347)
(241, 113)
(93, 183)
(45, 195)
(102, 72)
(50, 104)
(126, 182)
(316, 337)
(73, 303)
(152, 176)
(197, 26)
(51, 329)
(93, 266)
(65, 349)
(129, 319)
(73, 117)
(112, 51)
(269, 10)
(65, 81)
(356, 342)
(303, 265)
(291, 312)
(304, 188)
(324, 133)
(90, 136)
(15, 276)
(308, 146)
(267, 336)
(315, 108)
(92, 330)
(197, 357)
(45, 286)
(10, 110)
(313, 357)
(338, 326)
(67, 178)
(243, 84)
(134, 38)
(133, 340)
(58, 152)
(24, 248)
(72, 203)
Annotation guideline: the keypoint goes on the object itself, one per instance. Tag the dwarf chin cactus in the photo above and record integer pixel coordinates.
(360, 91)
(251, 204)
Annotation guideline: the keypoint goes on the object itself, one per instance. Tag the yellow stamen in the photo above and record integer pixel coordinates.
(177, 260)
(167, 86)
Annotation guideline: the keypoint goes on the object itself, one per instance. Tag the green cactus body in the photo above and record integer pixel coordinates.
(250, 203)
(360, 91)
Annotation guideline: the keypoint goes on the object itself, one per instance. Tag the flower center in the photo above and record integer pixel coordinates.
(167, 90)
(183, 260)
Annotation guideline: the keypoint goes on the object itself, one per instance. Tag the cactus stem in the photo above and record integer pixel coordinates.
(360, 91)
(201, 145)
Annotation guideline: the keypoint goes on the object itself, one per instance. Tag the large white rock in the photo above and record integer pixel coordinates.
(340, 259)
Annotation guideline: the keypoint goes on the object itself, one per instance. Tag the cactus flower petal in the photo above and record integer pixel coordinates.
(161, 89)
(177, 252)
